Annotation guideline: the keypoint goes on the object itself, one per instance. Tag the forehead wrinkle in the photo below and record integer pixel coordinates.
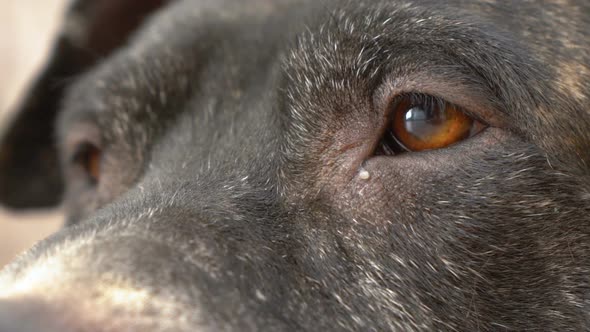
(346, 53)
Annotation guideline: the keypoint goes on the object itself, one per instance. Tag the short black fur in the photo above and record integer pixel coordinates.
(233, 133)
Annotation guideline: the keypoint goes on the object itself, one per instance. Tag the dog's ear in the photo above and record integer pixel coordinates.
(30, 176)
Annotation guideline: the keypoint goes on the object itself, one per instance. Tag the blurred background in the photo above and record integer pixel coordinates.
(27, 28)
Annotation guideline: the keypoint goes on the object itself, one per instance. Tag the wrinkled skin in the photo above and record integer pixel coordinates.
(233, 133)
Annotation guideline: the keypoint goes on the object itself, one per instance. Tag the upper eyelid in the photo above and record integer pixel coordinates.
(422, 98)
(472, 100)
(75, 130)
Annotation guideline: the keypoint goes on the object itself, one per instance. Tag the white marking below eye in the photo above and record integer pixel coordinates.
(364, 174)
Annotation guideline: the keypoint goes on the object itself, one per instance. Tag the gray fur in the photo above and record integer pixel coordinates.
(234, 132)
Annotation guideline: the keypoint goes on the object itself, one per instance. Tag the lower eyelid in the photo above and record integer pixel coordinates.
(452, 156)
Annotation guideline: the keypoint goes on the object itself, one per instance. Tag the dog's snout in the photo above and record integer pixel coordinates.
(97, 284)
(27, 316)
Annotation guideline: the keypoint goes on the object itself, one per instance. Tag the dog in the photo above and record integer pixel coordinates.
(302, 165)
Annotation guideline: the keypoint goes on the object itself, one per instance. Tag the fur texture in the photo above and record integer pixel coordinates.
(233, 135)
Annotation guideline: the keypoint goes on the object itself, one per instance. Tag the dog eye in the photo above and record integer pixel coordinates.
(88, 157)
(422, 122)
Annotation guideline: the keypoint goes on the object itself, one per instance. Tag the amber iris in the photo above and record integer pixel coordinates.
(427, 124)
(89, 158)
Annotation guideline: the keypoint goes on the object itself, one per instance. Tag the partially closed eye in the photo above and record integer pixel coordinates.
(420, 122)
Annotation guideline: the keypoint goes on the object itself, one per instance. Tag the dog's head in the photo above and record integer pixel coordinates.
(307, 165)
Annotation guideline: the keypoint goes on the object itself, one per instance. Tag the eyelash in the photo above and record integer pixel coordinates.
(417, 98)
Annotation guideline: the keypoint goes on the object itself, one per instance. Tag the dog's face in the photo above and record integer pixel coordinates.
(307, 165)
